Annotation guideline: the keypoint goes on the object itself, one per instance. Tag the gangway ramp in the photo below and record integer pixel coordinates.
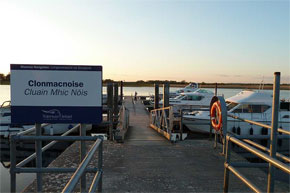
(139, 132)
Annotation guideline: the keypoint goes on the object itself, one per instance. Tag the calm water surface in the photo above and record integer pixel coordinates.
(146, 91)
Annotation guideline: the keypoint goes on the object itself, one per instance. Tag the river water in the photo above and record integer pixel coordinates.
(146, 91)
(24, 179)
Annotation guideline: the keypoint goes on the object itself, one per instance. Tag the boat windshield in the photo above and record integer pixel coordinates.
(231, 105)
(6, 104)
(179, 97)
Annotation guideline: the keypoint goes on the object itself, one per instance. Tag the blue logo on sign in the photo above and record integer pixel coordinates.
(55, 114)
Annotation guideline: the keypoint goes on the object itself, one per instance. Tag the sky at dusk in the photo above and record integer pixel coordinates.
(203, 41)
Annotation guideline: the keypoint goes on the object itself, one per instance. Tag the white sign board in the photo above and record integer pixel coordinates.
(56, 94)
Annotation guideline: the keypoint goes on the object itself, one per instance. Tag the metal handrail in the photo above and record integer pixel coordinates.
(271, 158)
(81, 169)
(160, 109)
(30, 130)
(260, 154)
(285, 158)
(33, 156)
(38, 155)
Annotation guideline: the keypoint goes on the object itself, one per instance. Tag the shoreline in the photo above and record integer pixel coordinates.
(205, 85)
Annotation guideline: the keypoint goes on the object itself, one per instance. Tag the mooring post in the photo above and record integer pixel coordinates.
(116, 100)
(121, 91)
(109, 97)
(156, 96)
(110, 108)
(12, 164)
(82, 156)
(273, 138)
(215, 89)
(166, 94)
(38, 148)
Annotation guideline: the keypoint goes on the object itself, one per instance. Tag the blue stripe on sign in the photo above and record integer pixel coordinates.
(39, 114)
(54, 67)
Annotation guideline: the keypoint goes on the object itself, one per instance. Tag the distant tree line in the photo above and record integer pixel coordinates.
(4, 79)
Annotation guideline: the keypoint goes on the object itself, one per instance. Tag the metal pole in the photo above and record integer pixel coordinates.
(215, 90)
(82, 156)
(100, 166)
(12, 164)
(227, 161)
(165, 94)
(38, 147)
(273, 137)
(156, 96)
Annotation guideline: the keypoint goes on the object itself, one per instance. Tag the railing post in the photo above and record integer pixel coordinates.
(273, 138)
(156, 96)
(100, 166)
(227, 161)
(12, 164)
(38, 148)
(82, 156)
(181, 124)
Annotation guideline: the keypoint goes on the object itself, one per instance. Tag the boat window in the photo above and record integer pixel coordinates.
(286, 116)
(231, 105)
(241, 109)
(193, 98)
(6, 114)
(245, 108)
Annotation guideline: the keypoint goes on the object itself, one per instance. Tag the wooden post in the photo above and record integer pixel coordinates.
(121, 91)
(215, 90)
(116, 99)
(110, 95)
(156, 96)
(166, 95)
(110, 108)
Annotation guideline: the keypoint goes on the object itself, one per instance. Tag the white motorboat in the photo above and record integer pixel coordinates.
(251, 105)
(7, 128)
(189, 88)
(200, 98)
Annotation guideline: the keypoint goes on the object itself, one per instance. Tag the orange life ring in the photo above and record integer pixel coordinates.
(216, 116)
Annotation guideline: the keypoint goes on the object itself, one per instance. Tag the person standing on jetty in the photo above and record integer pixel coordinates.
(135, 97)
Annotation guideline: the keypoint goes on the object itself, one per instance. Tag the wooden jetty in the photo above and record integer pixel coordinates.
(147, 162)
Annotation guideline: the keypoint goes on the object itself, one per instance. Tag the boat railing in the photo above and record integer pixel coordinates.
(79, 173)
(245, 143)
